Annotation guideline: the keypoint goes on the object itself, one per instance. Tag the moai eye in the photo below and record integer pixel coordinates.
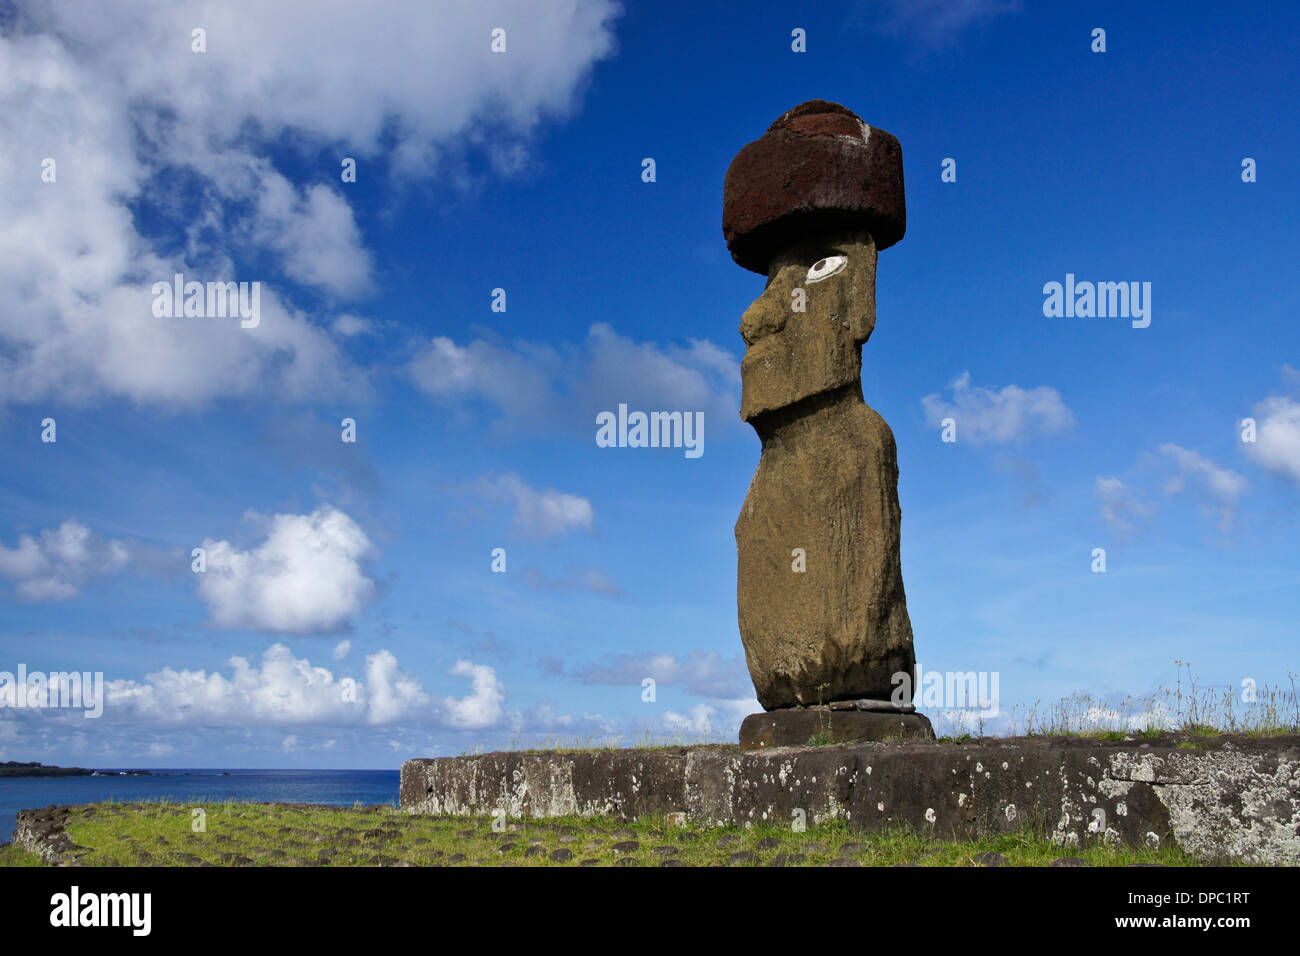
(825, 268)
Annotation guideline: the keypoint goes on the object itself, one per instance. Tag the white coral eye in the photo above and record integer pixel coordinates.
(825, 268)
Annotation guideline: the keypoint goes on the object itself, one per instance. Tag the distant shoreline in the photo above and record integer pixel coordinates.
(14, 768)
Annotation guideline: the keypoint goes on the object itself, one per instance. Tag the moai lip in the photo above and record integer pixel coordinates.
(817, 169)
(820, 599)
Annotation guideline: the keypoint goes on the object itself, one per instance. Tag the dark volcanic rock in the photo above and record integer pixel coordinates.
(795, 728)
(818, 167)
(1232, 795)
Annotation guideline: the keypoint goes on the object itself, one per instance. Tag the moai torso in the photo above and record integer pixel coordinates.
(822, 611)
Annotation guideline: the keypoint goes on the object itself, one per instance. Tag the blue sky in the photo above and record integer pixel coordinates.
(475, 428)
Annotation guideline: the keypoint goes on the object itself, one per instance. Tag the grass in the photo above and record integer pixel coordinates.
(11, 855)
(1187, 708)
(251, 834)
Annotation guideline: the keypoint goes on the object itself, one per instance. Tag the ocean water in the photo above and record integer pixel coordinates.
(337, 787)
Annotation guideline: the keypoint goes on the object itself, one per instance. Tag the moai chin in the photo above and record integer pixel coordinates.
(809, 205)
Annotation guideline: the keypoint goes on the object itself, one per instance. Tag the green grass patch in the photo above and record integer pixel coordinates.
(253, 834)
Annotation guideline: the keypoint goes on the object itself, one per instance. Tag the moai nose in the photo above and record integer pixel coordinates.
(766, 315)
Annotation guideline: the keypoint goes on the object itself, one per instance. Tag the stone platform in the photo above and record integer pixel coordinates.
(1225, 797)
(797, 728)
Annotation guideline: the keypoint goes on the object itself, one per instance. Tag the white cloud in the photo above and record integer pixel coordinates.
(483, 706)
(346, 324)
(314, 234)
(284, 690)
(545, 716)
(136, 121)
(1277, 437)
(58, 564)
(987, 416)
(720, 719)
(518, 383)
(1221, 486)
(288, 691)
(1122, 507)
(539, 514)
(341, 650)
(307, 577)
(530, 383)
(390, 692)
(698, 719)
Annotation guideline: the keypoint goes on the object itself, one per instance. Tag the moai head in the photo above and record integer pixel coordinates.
(808, 205)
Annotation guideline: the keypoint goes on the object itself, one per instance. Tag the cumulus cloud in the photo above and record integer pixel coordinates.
(58, 563)
(720, 719)
(1122, 507)
(1219, 487)
(483, 706)
(289, 691)
(539, 514)
(306, 577)
(391, 693)
(1277, 436)
(527, 383)
(988, 416)
(144, 131)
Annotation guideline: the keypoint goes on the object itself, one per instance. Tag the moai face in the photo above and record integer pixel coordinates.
(805, 332)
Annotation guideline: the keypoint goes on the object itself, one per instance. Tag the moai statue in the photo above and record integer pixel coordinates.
(822, 612)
